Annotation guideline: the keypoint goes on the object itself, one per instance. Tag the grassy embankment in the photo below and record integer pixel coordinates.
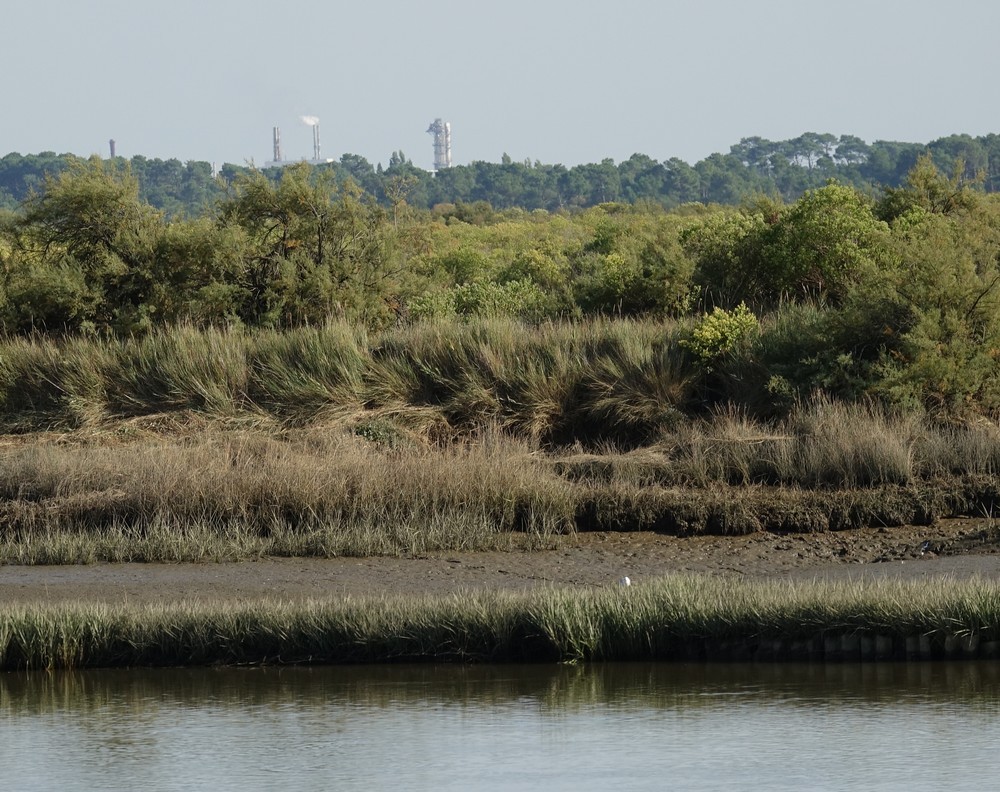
(327, 441)
(682, 618)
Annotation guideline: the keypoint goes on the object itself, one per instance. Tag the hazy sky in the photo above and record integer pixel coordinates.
(565, 81)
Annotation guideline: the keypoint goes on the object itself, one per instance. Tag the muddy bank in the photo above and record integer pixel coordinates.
(960, 549)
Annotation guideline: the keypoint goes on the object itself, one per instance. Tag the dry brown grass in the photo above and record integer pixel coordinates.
(241, 493)
(159, 489)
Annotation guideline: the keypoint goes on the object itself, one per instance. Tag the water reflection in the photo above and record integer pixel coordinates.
(637, 726)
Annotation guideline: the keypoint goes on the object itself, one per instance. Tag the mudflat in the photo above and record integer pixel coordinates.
(957, 548)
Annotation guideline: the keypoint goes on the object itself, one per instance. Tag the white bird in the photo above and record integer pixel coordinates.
(625, 581)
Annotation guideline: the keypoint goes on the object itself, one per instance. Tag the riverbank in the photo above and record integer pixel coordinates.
(287, 522)
(959, 549)
(680, 618)
(907, 593)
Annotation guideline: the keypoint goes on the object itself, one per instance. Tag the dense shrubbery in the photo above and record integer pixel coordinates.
(895, 299)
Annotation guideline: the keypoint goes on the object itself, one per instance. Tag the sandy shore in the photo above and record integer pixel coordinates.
(954, 548)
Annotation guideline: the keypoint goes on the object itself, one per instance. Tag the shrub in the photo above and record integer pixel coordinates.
(719, 333)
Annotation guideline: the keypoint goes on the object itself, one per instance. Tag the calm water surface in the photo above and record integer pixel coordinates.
(623, 727)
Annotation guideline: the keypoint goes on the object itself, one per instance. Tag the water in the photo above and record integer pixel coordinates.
(621, 726)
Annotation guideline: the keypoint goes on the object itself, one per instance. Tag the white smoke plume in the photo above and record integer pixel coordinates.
(310, 120)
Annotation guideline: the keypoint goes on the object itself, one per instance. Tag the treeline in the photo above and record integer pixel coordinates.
(755, 165)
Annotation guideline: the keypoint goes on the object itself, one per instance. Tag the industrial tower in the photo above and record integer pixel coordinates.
(317, 158)
(277, 145)
(442, 143)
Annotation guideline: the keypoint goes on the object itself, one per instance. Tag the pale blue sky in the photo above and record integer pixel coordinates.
(554, 80)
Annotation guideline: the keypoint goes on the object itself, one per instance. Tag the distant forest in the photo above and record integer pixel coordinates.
(785, 169)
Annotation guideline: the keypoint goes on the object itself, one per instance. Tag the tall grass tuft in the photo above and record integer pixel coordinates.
(638, 381)
(185, 369)
(852, 445)
(821, 444)
(312, 372)
(47, 384)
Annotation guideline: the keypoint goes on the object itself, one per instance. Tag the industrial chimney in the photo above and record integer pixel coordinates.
(313, 121)
(277, 145)
(111, 144)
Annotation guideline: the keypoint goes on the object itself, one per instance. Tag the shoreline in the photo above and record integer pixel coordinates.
(958, 549)
(684, 618)
(912, 593)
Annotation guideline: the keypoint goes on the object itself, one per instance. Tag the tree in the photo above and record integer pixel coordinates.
(361, 170)
(852, 150)
(682, 181)
(888, 162)
(197, 272)
(826, 241)
(723, 179)
(725, 248)
(642, 178)
(93, 211)
(927, 189)
(91, 215)
(812, 251)
(949, 285)
(810, 148)
(756, 153)
(313, 248)
(961, 155)
(396, 189)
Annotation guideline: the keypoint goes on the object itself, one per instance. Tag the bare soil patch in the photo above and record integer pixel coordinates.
(959, 548)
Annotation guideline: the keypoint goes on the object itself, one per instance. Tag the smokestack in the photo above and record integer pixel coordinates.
(314, 123)
(277, 144)
(111, 144)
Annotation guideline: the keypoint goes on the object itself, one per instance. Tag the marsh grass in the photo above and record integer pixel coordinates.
(618, 379)
(244, 495)
(624, 382)
(821, 444)
(660, 620)
(194, 444)
(314, 371)
(374, 486)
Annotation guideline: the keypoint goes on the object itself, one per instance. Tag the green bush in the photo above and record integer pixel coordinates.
(720, 332)
(481, 299)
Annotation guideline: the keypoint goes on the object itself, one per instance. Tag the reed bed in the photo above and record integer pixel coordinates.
(215, 444)
(246, 495)
(677, 618)
(373, 487)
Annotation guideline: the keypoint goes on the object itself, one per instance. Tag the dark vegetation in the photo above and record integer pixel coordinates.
(894, 298)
